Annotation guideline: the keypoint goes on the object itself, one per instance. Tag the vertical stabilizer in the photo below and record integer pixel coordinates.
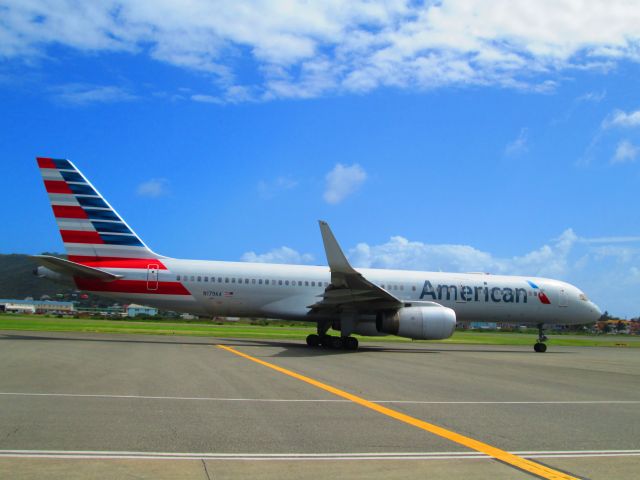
(91, 229)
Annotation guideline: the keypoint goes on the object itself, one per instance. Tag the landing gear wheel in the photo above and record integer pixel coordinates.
(540, 347)
(313, 340)
(351, 343)
(336, 343)
(326, 341)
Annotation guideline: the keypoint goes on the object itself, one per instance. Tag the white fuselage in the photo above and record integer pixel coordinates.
(286, 291)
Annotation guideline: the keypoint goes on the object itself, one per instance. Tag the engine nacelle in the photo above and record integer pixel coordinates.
(418, 323)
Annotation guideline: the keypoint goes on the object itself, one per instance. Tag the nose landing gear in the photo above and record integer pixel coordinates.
(540, 346)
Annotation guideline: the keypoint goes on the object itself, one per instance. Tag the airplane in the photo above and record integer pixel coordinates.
(106, 257)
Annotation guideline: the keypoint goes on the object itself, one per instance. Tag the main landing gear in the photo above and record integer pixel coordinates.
(336, 343)
(540, 346)
(321, 339)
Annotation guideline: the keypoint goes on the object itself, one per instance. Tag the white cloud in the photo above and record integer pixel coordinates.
(81, 94)
(622, 254)
(604, 267)
(306, 49)
(518, 146)
(620, 118)
(626, 152)
(153, 188)
(342, 181)
(594, 97)
(398, 252)
(618, 239)
(206, 99)
(279, 255)
(269, 189)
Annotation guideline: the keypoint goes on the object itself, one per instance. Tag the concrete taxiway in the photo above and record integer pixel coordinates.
(116, 406)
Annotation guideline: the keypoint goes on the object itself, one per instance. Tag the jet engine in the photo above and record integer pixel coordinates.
(419, 323)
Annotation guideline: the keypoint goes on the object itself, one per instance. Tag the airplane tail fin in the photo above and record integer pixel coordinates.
(92, 231)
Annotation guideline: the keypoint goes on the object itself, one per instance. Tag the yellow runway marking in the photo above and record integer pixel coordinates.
(506, 457)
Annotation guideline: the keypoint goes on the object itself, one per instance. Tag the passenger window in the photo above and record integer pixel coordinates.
(299, 283)
(306, 283)
(246, 280)
(286, 282)
(253, 281)
(313, 284)
(199, 279)
(178, 277)
(193, 278)
(206, 279)
(226, 280)
(259, 281)
(279, 282)
(413, 288)
(233, 280)
(219, 279)
(401, 287)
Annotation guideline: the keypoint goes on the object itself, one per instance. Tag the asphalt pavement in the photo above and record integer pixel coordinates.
(136, 406)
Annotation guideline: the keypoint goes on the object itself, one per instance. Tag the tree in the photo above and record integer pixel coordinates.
(605, 316)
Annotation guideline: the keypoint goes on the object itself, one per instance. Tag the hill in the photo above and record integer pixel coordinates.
(18, 281)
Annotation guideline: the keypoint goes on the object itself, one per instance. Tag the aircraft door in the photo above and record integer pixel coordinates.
(563, 300)
(152, 276)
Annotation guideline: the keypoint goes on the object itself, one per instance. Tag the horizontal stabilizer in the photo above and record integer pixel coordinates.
(73, 269)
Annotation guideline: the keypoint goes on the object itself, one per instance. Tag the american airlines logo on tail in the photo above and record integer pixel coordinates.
(94, 235)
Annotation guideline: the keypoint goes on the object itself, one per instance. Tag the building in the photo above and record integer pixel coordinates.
(615, 326)
(36, 306)
(134, 310)
(113, 311)
(483, 325)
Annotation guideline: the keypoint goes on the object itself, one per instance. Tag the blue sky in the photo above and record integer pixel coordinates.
(452, 136)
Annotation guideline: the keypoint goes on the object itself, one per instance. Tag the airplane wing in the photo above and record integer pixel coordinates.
(349, 289)
(73, 269)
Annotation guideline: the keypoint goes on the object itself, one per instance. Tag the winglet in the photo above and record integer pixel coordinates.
(338, 263)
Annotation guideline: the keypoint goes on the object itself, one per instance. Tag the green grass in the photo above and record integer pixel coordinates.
(165, 327)
(284, 330)
(566, 340)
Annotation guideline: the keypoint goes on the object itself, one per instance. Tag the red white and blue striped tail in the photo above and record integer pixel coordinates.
(92, 231)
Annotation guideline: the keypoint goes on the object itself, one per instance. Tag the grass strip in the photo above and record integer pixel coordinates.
(286, 331)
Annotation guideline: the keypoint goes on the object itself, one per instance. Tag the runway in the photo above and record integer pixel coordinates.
(104, 406)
